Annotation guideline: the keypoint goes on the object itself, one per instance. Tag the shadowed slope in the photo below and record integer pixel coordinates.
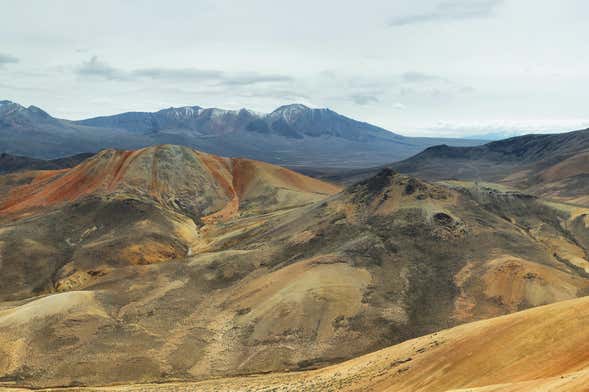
(14, 163)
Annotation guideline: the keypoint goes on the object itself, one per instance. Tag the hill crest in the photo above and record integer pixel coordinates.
(196, 183)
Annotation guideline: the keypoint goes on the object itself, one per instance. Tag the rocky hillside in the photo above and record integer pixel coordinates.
(201, 266)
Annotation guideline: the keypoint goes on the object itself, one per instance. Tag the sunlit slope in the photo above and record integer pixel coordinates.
(541, 343)
(541, 349)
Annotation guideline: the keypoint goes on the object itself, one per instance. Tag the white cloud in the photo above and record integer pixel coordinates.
(451, 10)
(96, 68)
(505, 128)
(7, 59)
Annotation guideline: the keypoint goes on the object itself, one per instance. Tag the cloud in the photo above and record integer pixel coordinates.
(415, 84)
(450, 10)
(418, 77)
(499, 129)
(99, 69)
(175, 74)
(7, 59)
(362, 99)
(399, 106)
(281, 94)
(253, 78)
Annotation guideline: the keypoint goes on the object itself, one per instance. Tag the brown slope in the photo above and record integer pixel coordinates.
(386, 260)
(546, 348)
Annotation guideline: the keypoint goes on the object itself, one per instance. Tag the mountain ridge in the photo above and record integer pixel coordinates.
(291, 135)
(283, 120)
(549, 165)
(14, 163)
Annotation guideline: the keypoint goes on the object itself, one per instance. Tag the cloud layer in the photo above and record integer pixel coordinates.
(7, 59)
(451, 10)
(408, 66)
(95, 68)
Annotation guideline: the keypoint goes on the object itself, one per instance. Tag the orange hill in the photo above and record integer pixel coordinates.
(167, 174)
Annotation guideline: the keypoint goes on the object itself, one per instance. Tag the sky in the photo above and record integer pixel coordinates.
(420, 68)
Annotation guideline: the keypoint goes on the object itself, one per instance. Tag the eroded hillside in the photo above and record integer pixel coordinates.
(167, 264)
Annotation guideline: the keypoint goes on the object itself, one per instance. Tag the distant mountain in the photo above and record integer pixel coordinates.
(290, 121)
(14, 163)
(293, 135)
(34, 133)
(554, 166)
(499, 135)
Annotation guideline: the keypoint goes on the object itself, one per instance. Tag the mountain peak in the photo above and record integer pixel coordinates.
(38, 111)
(14, 110)
(170, 171)
(9, 106)
(290, 113)
(292, 106)
(182, 111)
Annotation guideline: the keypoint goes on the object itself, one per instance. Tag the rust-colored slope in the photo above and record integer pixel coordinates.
(221, 170)
(167, 174)
(261, 185)
(543, 342)
(101, 172)
(248, 174)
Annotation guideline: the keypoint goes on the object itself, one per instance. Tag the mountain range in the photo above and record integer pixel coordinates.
(292, 135)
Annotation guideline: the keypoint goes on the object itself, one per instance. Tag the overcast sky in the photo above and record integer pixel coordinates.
(447, 68)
